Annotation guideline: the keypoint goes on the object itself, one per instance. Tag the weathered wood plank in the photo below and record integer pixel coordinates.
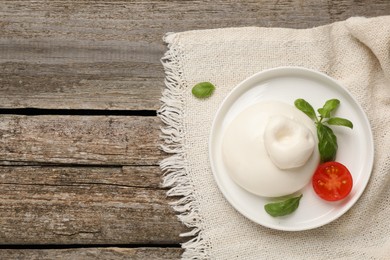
(100, 140)
(93, 254)
(80, 74)
(132, 176)
(145, 20)
(105, 55)
(85, 205)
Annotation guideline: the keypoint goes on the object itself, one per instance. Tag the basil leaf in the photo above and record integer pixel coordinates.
(327, 143)
(306, 108)
(340, 121)
(203, 90)
(324, 113)
(282, 208)
(331, 104)
(328, 107)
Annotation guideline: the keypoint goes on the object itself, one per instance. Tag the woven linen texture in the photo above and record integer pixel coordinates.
(355, 52)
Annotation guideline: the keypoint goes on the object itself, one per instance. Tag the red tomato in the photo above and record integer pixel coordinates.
(332, 181)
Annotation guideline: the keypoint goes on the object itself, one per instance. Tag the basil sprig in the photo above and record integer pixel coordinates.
(327, 140)
(284, 207)
(203, 90)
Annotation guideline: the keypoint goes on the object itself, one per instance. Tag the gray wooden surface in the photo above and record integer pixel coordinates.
(80, 83)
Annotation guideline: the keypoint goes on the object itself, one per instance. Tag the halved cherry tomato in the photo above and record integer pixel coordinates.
(332, 181)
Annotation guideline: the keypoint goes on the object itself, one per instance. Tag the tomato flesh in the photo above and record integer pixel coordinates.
(332, 181)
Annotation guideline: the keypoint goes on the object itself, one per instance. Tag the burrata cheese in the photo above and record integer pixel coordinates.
(269, 149)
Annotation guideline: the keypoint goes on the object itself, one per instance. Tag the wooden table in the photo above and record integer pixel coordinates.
(80, 83)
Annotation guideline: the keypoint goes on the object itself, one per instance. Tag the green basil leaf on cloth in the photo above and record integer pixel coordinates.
(203, 90)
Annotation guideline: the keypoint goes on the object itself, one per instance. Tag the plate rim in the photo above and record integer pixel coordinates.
(293, 70)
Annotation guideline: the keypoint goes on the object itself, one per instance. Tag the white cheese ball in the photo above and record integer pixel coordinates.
(248, 161)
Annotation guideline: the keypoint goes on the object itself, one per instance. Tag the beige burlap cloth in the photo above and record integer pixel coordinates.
(356, 52)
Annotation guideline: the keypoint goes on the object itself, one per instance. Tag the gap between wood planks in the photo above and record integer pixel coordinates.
(76, 246)
(76, 112)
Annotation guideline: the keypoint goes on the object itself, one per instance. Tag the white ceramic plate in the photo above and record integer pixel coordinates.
(356, 148)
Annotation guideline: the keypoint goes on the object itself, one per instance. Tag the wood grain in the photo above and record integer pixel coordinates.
(93, 140)
(132, 176)
(106, 55)
(85, 205)
(93, 254)
(84, 75)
